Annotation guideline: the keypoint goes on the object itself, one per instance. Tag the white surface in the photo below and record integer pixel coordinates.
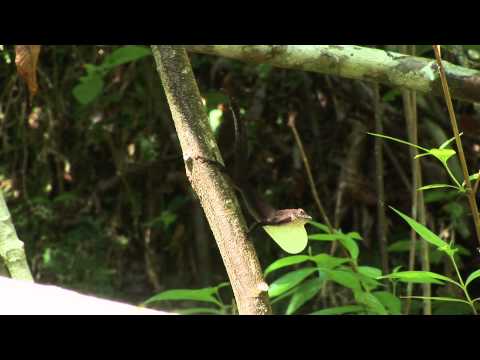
(26, 298)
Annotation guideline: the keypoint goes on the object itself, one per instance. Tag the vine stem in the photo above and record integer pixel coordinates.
(291, 123)
(464, 288)
(463, 162)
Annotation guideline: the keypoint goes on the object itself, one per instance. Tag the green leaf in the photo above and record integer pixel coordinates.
(323, 237)
(283, 296)
(399, 141)
(199, 311)
(423, 231)
(422, 155)
(215, 119)
(438, 298)
(349, 244)
(125, 54)
(446, 143)
(372, 303)
(344, 278)
(304, 293)
(396, 268)
(355, 235)
(328, 262)
(369, 271)
(442, 154)
(88, 89)
(92, 70)
(472, 177)
(205, 295)
(288, 281)
(367, 282)
(320, 226)
(421, 277)
(436, 186)
(472, 277)
(390, 301)
(340, 310)
(286, 261)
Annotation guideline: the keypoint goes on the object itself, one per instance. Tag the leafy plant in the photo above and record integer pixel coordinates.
(209, 295)
(443, 154)
(91, 85)
(431, 277)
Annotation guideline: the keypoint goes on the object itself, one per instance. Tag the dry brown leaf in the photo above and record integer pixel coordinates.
(26, 58)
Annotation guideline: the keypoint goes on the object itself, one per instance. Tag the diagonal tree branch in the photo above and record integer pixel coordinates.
(214, 192)
(356, 62)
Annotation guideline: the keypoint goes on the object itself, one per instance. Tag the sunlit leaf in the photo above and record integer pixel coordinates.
(205, 295)
(288, 281)
(369, 271)
(344, 278)
(304, 293)
(424, 277)
(126, 54)
(323, 237)
(355, 235)
(215, 119)
(328, 262)
(390, 301)
(423, 231)
(438, 298)
(436, 186)
(447, 142)
(474, 275)
(372, 303)
(442, 154)
(286, 261)
(320, 226)
(349, 244)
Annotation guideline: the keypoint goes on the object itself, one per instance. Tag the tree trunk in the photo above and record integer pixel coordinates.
(216, 196)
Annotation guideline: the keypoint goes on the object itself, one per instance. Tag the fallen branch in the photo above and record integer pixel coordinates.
(357, 62)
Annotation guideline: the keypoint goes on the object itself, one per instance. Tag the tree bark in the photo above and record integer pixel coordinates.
(356, 62)
(216, 196)
(11, 247)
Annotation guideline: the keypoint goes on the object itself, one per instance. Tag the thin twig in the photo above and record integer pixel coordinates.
(291, 123)
(381, 217)
(461, 155)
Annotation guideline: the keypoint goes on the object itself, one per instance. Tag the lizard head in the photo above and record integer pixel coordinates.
(300, 216)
